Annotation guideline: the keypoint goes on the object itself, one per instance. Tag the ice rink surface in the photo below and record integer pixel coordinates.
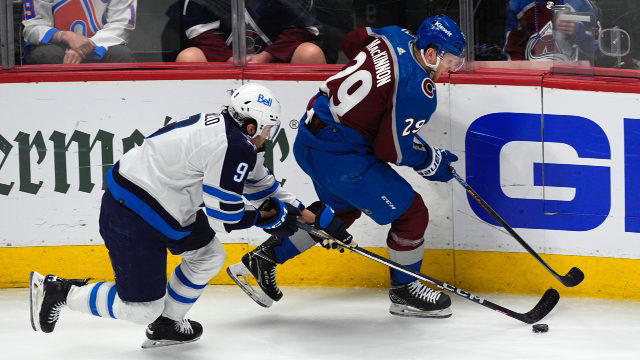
(329, 323)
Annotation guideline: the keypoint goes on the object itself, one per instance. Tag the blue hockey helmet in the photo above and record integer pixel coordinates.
(444, 34)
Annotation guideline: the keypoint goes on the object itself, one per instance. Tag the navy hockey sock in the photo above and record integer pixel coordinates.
(292, 246)
(285, 251)
(400, 278)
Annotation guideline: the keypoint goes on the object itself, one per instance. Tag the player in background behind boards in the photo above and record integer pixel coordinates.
(186, 182)
(363, 118)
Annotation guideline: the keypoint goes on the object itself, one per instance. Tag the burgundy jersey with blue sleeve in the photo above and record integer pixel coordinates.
(383, 93)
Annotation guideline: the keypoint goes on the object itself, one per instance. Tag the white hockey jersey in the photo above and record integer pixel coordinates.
(204, 160)
(105, 22)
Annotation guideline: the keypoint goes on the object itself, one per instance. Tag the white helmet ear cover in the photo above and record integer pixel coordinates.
(431, 67)
(256, 102)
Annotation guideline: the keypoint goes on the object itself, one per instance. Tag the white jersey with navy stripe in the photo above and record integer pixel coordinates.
(204, 159)
(261, 184)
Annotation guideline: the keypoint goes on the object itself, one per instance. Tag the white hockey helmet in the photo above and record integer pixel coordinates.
(255, 102)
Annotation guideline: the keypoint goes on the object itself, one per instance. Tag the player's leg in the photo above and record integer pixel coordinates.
(118, 54)
(191, 54)
(138, 258)
(387, 197)
(45, 54)
(308, 53)
(261, 262)
(410, 297)
(202, 258)
(378, 191)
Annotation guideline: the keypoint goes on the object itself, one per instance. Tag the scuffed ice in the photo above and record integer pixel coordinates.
(333, 324)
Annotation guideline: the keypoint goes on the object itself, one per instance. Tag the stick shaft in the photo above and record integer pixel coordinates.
(441, 284)
(502, 222)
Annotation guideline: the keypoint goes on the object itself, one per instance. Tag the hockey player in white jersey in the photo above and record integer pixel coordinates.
(153, 203)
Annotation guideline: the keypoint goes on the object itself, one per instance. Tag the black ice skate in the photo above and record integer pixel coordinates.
(417, 300)
(165, 332)
(48, 295)
(261, 264)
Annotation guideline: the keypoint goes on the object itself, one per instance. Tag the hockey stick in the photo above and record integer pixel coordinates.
(571, 279)
(542, 308)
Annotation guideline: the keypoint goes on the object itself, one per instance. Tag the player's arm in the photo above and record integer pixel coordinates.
(38, 23)
(261, 188)
(120, 23)
(224, 180)
(261, 184)
(224, 176)
(434, 163)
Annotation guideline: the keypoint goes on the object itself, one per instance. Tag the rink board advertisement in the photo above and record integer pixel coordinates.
(55, 156)
(560, 167)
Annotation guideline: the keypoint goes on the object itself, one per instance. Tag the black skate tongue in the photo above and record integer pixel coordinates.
(79, 282)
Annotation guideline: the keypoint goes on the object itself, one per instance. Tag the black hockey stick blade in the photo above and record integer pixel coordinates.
(543, 307)
(573, 277)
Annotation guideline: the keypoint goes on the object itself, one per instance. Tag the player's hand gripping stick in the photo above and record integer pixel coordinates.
(327, 221)
(282, 219)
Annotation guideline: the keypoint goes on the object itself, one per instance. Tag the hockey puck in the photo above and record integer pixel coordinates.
(537, 328)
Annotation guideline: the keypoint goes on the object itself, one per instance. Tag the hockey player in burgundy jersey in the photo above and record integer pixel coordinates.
(154, 202)
(363, 118)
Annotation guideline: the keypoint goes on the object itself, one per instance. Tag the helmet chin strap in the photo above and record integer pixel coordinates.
(432, 68)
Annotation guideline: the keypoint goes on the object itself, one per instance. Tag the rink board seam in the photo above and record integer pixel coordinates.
(479, 271)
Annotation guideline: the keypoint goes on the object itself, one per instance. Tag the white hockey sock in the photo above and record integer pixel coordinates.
(182, 293)
(101, 299)
(97, 299)
(190, 277)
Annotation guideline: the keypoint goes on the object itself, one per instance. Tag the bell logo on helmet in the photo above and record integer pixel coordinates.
(264, 100)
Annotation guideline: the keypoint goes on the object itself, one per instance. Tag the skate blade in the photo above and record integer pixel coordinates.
(238, 273)
(150, 344)
(36, 292)
(408, 311)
